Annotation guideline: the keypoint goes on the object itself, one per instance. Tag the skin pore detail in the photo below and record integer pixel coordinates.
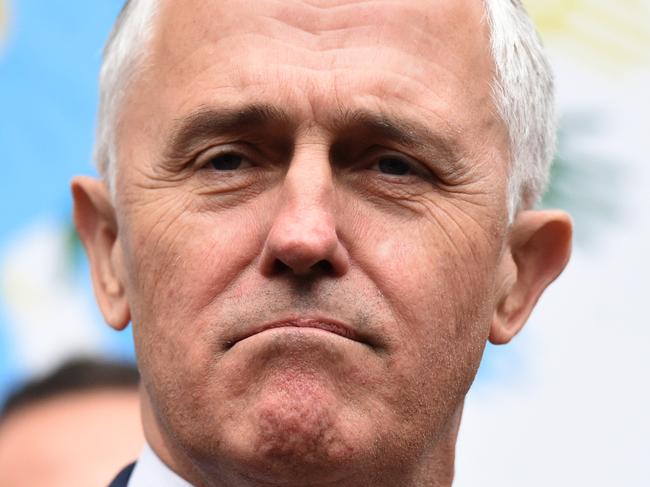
(298, 410)
(310, 236)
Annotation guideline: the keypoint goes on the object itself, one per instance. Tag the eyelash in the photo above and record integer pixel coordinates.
(371, 162)
(204, 160)
(416, 169)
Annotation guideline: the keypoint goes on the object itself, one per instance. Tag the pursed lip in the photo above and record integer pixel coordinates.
(332, 326)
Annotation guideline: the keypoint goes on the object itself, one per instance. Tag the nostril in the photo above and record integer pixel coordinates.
(324, 266)
(280, 267)
(321, 267)
(311, 251)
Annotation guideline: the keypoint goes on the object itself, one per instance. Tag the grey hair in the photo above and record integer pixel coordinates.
(524, 96)
(523, 92)
(124, 58)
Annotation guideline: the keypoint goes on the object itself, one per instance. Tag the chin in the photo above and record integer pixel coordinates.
(296, 428)
(285, 408)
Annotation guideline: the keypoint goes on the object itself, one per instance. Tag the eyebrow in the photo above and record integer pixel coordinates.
(408, 133)
(205, 123)
(190, 132)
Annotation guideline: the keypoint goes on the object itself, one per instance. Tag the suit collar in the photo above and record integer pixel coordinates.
(122, 478)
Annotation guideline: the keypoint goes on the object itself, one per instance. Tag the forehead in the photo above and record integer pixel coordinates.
(311, 32)
(315, 58)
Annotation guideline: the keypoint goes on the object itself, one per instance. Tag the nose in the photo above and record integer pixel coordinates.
(303, 238)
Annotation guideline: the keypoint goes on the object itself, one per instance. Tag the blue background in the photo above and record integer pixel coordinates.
(49, 61)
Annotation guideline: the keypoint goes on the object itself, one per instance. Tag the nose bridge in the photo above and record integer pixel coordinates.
(304, 230)
(308, 189)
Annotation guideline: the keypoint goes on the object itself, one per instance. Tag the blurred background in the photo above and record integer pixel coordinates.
(567, 403)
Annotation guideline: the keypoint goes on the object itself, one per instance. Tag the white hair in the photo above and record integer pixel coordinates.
(522, 90)
(524, 96)
(124, 58)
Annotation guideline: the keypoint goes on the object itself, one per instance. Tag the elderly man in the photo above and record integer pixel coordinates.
(315, 213)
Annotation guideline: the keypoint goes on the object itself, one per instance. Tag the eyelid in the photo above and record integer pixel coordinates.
(418, 168)
(203, 159)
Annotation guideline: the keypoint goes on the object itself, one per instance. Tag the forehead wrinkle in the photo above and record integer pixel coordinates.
(328, 25)
(411, 26)
(243, 39)
(320, 81)
(383, 74)
(306, 16)
(268, 49)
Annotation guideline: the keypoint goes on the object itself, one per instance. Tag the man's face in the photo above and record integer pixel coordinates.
(311, 213)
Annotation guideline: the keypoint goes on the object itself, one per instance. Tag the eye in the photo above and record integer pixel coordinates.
(395, 166)
(227, 162)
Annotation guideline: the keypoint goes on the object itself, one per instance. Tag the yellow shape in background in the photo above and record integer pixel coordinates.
(613, 32)
(3, 21)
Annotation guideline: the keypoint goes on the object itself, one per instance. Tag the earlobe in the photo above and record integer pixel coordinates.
(94, 219)
(538, 251)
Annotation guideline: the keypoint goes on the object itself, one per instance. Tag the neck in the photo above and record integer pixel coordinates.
(434, 469)
(437, 465)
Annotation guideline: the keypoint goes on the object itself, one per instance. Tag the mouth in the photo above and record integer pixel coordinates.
(326, 325)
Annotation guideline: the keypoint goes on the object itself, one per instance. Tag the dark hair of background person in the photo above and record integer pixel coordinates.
(76, 375)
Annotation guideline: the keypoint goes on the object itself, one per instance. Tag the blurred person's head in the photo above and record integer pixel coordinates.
(71, 428)
(315, 214)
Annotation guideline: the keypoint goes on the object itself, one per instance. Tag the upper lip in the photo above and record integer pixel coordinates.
(325, 324)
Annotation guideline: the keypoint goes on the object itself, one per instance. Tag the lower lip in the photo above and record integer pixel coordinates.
(306, 325)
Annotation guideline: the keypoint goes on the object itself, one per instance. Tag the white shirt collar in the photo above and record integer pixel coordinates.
(150, 470)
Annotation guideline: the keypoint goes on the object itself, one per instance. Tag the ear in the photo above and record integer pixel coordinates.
(538, 250)
(94, 217)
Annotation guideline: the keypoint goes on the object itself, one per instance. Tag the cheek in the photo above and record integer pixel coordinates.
(179, 265)
(439, 287)
(430, 279)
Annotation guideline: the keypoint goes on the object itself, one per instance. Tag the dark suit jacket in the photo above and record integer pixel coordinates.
(123, 477)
